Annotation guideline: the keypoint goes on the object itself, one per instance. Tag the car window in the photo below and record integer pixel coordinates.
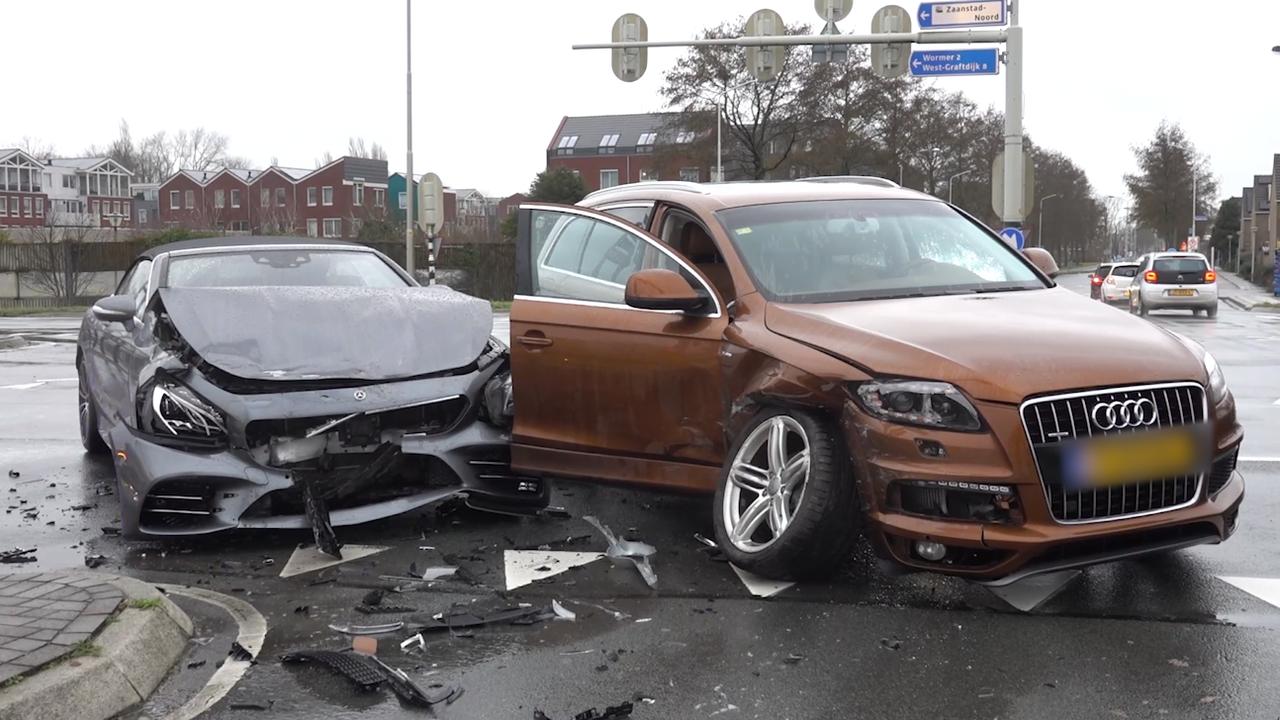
(135, 284)
(1125, 271)
(1180, 265)
(1102, 270)
(585, 258)
(283, 268)
(636, 215)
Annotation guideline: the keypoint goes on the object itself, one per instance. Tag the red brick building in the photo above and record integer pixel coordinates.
(22, 194)
(330, 201)
(608, 150)
(63, 192)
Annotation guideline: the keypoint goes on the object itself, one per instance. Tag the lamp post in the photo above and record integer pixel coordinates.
(952, 181)
(721, 108)
(114, 219)
(1040, 222)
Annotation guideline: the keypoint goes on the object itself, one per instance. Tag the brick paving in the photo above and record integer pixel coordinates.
(43, 616)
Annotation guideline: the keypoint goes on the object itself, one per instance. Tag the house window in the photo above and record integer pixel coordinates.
(648, 174)
(608, 178)
(235, 198)
(684, 137)
(566, 144)
(326, 196)
(69, 182)
(191, 199)
(333, 227)
(646, 141)
(142, 215)
(280, 197)
(13, 206)
(404, 201)
(265, 197)
(357, 194)
(4, 207)
(609, 143)
(219, 199)
(93, 208)
(313, 196)
(379, 197)
(355, 226)
(690, 174)
(125, 207)
(313, 227)
(175, 200)
(39, 207)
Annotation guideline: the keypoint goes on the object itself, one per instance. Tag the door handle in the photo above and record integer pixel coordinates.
(534, 339)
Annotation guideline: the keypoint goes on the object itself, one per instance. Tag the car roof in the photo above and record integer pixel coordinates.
(1196, 255)
(716, 196)
(212, 243)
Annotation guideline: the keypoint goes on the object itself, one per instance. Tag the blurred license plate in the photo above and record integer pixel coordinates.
(1182, 293)
(1129, 458)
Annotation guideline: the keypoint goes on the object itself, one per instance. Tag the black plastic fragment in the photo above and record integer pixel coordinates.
(384, 609)
(239, 652)
(359, 669)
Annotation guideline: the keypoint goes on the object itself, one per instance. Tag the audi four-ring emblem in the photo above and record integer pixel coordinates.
(1124, 414)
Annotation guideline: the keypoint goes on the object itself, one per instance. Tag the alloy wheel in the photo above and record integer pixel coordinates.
(766, 484)
(84, 406)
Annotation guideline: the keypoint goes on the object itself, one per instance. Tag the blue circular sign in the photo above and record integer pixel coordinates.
(1014, 237)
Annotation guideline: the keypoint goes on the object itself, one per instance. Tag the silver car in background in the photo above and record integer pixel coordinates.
(1174, 281)
(1116, 283)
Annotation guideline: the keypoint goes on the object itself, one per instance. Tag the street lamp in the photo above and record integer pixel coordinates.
(1040, 222)
(721, 108)
(114, 219)
(952, 180)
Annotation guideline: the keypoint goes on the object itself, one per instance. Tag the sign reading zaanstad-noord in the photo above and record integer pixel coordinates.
(982, 13)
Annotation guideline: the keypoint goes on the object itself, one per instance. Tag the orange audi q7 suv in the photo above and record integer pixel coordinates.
(843, 357)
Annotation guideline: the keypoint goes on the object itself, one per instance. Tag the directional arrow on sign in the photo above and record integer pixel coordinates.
(924, 15)
(915, 64)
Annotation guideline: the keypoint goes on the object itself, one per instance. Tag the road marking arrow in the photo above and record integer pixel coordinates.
(1265, 589)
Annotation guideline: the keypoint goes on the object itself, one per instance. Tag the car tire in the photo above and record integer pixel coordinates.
(1142, 308)
(87, 410)
(819, 524)
(1212, 311)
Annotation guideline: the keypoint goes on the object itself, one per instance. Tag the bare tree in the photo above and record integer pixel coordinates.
(36, 148)
(55, 250)
(324, 159)
(356, 147)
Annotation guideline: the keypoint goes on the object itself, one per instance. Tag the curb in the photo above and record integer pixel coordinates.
(138, 650)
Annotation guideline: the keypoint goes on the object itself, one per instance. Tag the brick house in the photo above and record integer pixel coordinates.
(22, 193)
(330, 201)
(608, 150)
(510, 204)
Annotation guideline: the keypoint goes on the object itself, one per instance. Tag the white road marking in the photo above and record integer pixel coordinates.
(253, 630)
(1258, 459)
(1032, 592)
(309, 559)
(758, 586)
(1265, 589)
(1277, 402)
(525, 566)
(36, 384)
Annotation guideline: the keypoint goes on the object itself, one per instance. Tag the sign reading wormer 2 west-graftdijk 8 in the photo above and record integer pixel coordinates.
(982, 61)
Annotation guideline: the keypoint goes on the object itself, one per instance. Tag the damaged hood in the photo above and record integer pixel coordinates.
(329, 333)
(1000, 347)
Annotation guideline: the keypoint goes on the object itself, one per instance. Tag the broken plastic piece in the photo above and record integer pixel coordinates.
(561, 612)
(436, 573)
(357, 668)
(638, 553)
(415, 640)
(17, 555)
(364, 645)
(705, 541)
(384, 609)
(93, 561)
(239, 652)
(456, 619)
(367, 629)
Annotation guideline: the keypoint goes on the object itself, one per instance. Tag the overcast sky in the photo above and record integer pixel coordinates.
(492, 78)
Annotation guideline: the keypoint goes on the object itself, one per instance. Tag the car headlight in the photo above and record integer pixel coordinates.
(919, 402)
(173, 409)
(1217, 381)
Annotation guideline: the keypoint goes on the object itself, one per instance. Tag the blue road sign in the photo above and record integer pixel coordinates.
(934, 63)
(983, 13)
(1014, 237)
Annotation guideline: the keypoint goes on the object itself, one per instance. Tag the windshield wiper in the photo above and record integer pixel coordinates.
(1003, 289)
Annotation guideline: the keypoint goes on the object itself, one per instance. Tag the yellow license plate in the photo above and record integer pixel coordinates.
(1182, 293)
(1129, 458)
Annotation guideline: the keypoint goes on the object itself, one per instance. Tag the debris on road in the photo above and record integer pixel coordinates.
(438, 573)
(415, 640)
(373, 597)
(17, 555)
(93, 561)
(793, 659)
(888, 644)
(364, 645)
(367, 629)
(638, 553)
(613, 712)
(465, 618)
(384, 609)
(368, 673)
(561, 612)
(252, 705)
(14, 474)
(616, 614)
(239, 652)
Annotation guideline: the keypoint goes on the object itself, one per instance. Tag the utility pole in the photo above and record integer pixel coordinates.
(952, 181)
(1040, 222)
(408, 161)
(1013, 162)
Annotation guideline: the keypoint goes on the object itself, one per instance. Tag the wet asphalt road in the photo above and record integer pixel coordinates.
(1153, 638)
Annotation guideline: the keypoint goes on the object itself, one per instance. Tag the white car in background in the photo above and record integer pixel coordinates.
(1115, 285)
(1175, 281)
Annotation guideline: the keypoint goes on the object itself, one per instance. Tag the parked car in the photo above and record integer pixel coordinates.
(1115, 285)
(833, 359)
(1095, 280)
(1175, 281)
(281, 383)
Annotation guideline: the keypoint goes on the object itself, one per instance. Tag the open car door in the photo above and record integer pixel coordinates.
(604, 389)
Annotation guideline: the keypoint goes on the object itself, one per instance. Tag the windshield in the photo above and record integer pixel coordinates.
(839, 250)
(1180, 265)
(1125, 270)
(283, 267)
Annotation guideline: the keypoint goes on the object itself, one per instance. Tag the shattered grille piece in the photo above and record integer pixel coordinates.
(359, 669)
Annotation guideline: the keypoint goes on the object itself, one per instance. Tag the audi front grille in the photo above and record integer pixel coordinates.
(1053, 420)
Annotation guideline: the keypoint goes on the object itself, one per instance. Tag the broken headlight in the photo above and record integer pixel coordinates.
(499, 402)
(919, 402)
(173, 409)
(494, 351)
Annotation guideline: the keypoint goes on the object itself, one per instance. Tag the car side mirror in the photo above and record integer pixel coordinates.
(661, 289)
(116, 308)
(1043, 261)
